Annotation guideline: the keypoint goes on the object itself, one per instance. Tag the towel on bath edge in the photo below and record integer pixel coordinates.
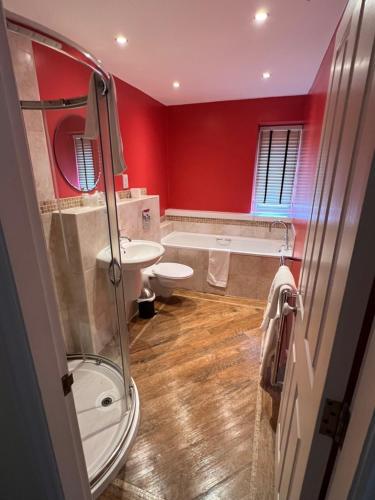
(218, 267)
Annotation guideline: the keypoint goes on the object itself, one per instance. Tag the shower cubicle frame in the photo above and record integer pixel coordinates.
(55, 41)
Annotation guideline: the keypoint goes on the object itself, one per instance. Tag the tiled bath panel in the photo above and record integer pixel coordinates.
(249, 275)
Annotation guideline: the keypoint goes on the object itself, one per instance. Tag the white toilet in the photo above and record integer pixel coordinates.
(163, 278)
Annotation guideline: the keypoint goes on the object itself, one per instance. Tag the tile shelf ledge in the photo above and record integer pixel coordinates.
(175, 212)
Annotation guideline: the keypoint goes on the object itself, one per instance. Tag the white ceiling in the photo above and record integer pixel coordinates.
(213, 47)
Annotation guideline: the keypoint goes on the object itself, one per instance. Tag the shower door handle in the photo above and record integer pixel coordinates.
(114, 272)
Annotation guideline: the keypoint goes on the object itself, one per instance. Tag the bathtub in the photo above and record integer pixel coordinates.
(236, 244)
(253, 261)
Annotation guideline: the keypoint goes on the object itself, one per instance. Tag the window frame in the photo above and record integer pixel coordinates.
(272, 211)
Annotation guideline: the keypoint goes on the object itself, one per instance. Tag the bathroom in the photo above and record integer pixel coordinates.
(181, 235)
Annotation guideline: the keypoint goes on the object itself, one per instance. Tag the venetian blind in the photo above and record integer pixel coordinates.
(85, 163)
(278, 150)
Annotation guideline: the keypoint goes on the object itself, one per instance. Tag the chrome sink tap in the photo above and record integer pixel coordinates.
(124, 237)
(287, 246)
(122, 242)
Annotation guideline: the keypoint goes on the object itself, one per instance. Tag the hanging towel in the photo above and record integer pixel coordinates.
(92, 122)
(218, 267)
(268, 352)
(269, 342)
(92, 119)
(119, 165)
(282, 277)
(268, 337)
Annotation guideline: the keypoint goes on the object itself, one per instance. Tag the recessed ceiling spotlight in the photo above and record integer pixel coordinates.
(176, 85)
(261, 16)
(121, 40)
(266, 75)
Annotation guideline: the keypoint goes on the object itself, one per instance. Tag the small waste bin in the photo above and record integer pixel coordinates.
(146, 303)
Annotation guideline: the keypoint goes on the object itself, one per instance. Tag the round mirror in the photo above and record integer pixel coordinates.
(77, 157)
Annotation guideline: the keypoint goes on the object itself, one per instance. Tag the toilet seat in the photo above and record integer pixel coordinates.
(172, 271)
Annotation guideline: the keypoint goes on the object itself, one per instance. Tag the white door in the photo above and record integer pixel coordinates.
(321, 350)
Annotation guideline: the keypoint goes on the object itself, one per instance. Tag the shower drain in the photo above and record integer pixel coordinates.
(107, 401)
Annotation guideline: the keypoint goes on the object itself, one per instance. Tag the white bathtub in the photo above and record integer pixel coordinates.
(236, 244)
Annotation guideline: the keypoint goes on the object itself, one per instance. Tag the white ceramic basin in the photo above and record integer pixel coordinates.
(138, 254)
(135, 255)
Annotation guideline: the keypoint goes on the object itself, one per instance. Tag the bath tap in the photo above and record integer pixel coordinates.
(286, 231)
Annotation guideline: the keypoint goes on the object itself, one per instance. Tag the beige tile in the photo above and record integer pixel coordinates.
(33, 120)
(23, 65)
(27, 86)
(40, 164)
(197, 260)
(64, 242)
(166, 228)
(170, 255)
(131, 222)
(101, 308)
(92, 234)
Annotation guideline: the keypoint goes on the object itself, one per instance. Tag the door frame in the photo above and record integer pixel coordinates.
(346, 353)
(28, 258)
(354, 473)
(354, 269)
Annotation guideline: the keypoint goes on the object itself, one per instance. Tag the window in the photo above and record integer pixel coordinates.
(85, 163)
(278, 149)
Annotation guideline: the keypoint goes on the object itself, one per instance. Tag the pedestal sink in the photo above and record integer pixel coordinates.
(138, 254)
(135, 256)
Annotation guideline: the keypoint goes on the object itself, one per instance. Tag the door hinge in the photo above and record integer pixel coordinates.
(67, 381)
(335, 420)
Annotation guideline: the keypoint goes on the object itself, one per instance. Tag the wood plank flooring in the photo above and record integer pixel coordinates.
(204, 432)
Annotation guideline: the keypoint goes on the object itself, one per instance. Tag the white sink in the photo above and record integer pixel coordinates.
(135, 254)
(138, 254)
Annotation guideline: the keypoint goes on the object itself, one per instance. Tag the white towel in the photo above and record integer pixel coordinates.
(92, 122)
(269, 344)
(119, 165)
(282, 277)
(218, 267)
(92, 119)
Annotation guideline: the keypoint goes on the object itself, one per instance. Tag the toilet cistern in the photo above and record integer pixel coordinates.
(287, 246)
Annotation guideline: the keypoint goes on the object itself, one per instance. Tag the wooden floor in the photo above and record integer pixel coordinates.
(204, 432)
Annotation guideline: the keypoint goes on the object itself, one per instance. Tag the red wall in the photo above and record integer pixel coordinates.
(310, 151)
(212, 150)
(209, 149)
(144, 133)
(142, 121)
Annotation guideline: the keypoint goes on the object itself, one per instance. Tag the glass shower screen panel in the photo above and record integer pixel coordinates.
(75, 190)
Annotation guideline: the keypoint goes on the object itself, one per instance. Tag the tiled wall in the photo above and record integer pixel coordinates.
(27, 86)
(86, 299)
(50, 205)
(130, 218)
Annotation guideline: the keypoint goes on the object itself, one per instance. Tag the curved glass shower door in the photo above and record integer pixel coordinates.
(75, 188)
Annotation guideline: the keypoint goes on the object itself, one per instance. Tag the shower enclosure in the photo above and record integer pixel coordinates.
(67, 166)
